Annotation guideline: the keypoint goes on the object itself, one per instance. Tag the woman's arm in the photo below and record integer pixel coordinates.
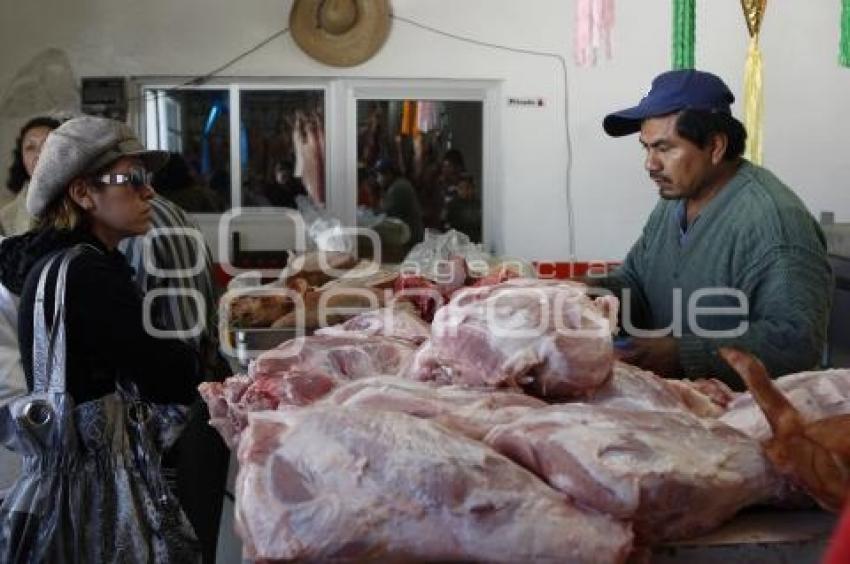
(107, 323)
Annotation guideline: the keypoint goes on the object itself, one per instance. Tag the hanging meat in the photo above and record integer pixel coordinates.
(308, 138)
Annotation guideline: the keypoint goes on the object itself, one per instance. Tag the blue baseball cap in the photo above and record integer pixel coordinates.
(672, 91)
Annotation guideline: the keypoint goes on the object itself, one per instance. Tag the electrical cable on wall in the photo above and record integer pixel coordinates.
(201, 79)
(567, 135)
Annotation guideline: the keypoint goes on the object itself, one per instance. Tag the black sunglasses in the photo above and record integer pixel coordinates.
(135, 177)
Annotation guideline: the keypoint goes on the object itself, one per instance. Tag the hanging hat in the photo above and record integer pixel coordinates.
(340, 33)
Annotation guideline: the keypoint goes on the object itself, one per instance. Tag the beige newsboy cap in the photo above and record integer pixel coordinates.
(80, 146)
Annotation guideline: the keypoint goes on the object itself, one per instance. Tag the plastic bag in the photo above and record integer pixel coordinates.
(430, 257)
(324, 231)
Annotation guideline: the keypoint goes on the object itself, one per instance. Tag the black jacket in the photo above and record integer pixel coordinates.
(106, 339)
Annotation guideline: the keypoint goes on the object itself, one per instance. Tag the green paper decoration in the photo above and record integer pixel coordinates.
(844, 49)
(684, 21)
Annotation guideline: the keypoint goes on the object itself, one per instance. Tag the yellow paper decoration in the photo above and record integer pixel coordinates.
(753, 97)
(753, 102)
(754, 13)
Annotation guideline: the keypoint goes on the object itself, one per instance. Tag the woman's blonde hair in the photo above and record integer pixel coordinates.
(64, 213)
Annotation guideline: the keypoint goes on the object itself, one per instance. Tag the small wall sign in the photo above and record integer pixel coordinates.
(526, 102)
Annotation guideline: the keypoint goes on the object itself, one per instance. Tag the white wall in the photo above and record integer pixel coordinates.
(807, 128)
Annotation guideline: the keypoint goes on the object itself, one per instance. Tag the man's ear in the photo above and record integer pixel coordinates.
(80, 192)
(719, 142)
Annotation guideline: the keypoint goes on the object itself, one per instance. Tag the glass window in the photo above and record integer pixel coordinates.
(419, 167)
(283, 146)
(194, 126)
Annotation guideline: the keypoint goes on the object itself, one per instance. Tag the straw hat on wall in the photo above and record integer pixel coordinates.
(340, 33)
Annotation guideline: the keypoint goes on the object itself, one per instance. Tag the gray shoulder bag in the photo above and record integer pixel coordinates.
(92, 488)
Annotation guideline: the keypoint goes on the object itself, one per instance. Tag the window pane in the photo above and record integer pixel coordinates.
(419, 167)
(283, 146)
(194, 126)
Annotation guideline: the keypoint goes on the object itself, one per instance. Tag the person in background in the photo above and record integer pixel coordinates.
(176, 182)
(452, 166)
(14, 218)
(92, 186)
(12, 383)
(197, 464)
(285, 187)
(368, 191)
(726, 234)
(427, 170)
(399, 199)
(463, 212)
(370, 134)
(219, 183)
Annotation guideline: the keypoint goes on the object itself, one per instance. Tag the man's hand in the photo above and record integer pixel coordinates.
(658, 354)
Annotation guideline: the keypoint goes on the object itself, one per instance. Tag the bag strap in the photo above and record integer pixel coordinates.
(49, 347)
(39, 330)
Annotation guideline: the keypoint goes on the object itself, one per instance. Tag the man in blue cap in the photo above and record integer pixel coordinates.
(729, 256)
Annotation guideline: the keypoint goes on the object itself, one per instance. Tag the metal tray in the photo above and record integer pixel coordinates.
(248, 344)
(756, 535)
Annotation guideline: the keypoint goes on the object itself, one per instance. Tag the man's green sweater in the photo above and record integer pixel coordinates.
(755, 236)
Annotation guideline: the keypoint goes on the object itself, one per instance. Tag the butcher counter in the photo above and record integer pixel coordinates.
(754, 537)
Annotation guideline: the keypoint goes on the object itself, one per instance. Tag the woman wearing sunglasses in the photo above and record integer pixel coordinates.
(91, 186)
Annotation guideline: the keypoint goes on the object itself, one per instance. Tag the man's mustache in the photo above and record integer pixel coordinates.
(657, 177)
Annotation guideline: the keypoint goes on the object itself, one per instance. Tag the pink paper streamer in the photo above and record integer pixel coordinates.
(594, 23)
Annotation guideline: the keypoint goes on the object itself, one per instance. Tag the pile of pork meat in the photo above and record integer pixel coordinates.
(497, 426)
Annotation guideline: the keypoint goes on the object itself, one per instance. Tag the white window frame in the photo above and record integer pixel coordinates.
(341, 96)
(234, 86)
(485, 91)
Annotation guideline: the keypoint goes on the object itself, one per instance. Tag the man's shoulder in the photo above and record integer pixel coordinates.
(771, 206)
(765, 214)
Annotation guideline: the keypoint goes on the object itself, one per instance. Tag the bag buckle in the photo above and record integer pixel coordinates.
(37, 413)
(139, 412)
